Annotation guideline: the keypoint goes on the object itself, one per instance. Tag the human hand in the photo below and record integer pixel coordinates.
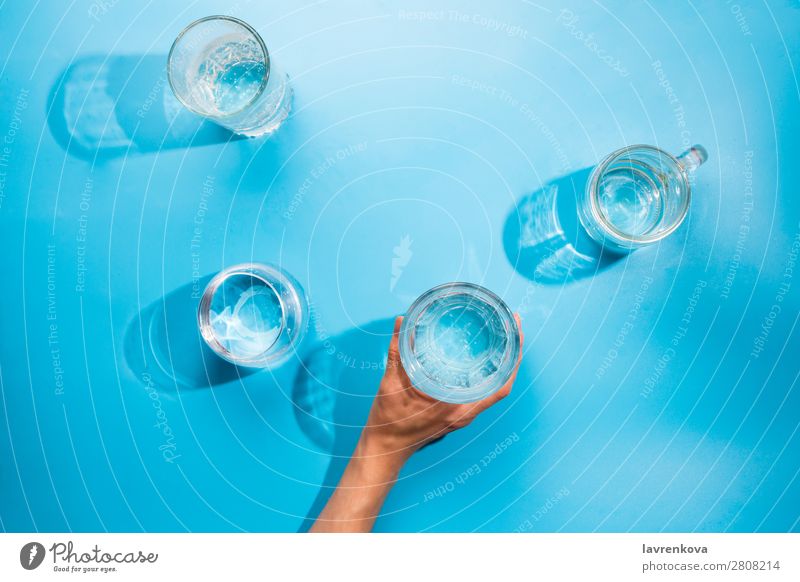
(403, 419)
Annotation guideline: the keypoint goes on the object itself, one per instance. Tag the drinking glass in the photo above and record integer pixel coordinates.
(253, 315)
(638, 195)
(219, 67)
(459, 343)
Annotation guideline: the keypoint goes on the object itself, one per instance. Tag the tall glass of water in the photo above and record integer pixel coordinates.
(638, 195)
(459, 343)
(253, 315)
(219, 67)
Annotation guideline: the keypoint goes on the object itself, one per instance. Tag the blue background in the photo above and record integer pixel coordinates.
(657, 392)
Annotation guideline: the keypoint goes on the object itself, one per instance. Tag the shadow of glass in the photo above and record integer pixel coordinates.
(105, 107)
(333, 393)
(163, 345)
(543, 237)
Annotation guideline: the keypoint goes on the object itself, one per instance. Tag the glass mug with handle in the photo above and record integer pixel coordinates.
(220, 68)
(638, 195)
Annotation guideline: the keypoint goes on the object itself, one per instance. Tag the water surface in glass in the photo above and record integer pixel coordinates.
(629, 195)
(246, 316)
(230, 75)
(460, 340)
(220, 68)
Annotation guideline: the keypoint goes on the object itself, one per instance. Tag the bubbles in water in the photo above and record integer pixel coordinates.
(460, 340)
(230, 76)
(246, 316)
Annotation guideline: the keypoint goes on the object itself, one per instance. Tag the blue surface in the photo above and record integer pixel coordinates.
(657, 392)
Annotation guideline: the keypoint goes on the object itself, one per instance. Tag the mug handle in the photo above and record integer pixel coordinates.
(693, 158)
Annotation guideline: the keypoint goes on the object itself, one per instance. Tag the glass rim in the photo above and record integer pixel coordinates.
(419, 376)
(620, 237)
(203, 309)
(249, 29)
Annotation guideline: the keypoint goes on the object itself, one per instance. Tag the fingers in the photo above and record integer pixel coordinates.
(506, 389)
(521, 344)
(496, 397)
(493, 399)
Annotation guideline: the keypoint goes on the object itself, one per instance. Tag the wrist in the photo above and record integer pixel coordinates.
(366, 481)
(377, 449)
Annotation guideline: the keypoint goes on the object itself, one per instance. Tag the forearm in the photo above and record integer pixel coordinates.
(358, 498)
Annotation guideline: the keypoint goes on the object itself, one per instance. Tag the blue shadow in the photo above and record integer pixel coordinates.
(333, 393)
(163, 342)
(543, 237)
(106, 107)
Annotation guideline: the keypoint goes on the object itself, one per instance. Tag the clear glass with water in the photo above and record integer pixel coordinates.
(459, 343)
(219, 67)
(253, 315)
(638, 195)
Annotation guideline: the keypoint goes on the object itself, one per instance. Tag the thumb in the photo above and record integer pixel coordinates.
(393, 360)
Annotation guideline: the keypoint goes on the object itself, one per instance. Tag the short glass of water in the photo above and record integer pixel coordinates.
(219, 67)
(459, 343)
(253, 315)
(638, 195)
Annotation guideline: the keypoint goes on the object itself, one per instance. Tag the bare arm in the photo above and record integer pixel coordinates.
(401, 420)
